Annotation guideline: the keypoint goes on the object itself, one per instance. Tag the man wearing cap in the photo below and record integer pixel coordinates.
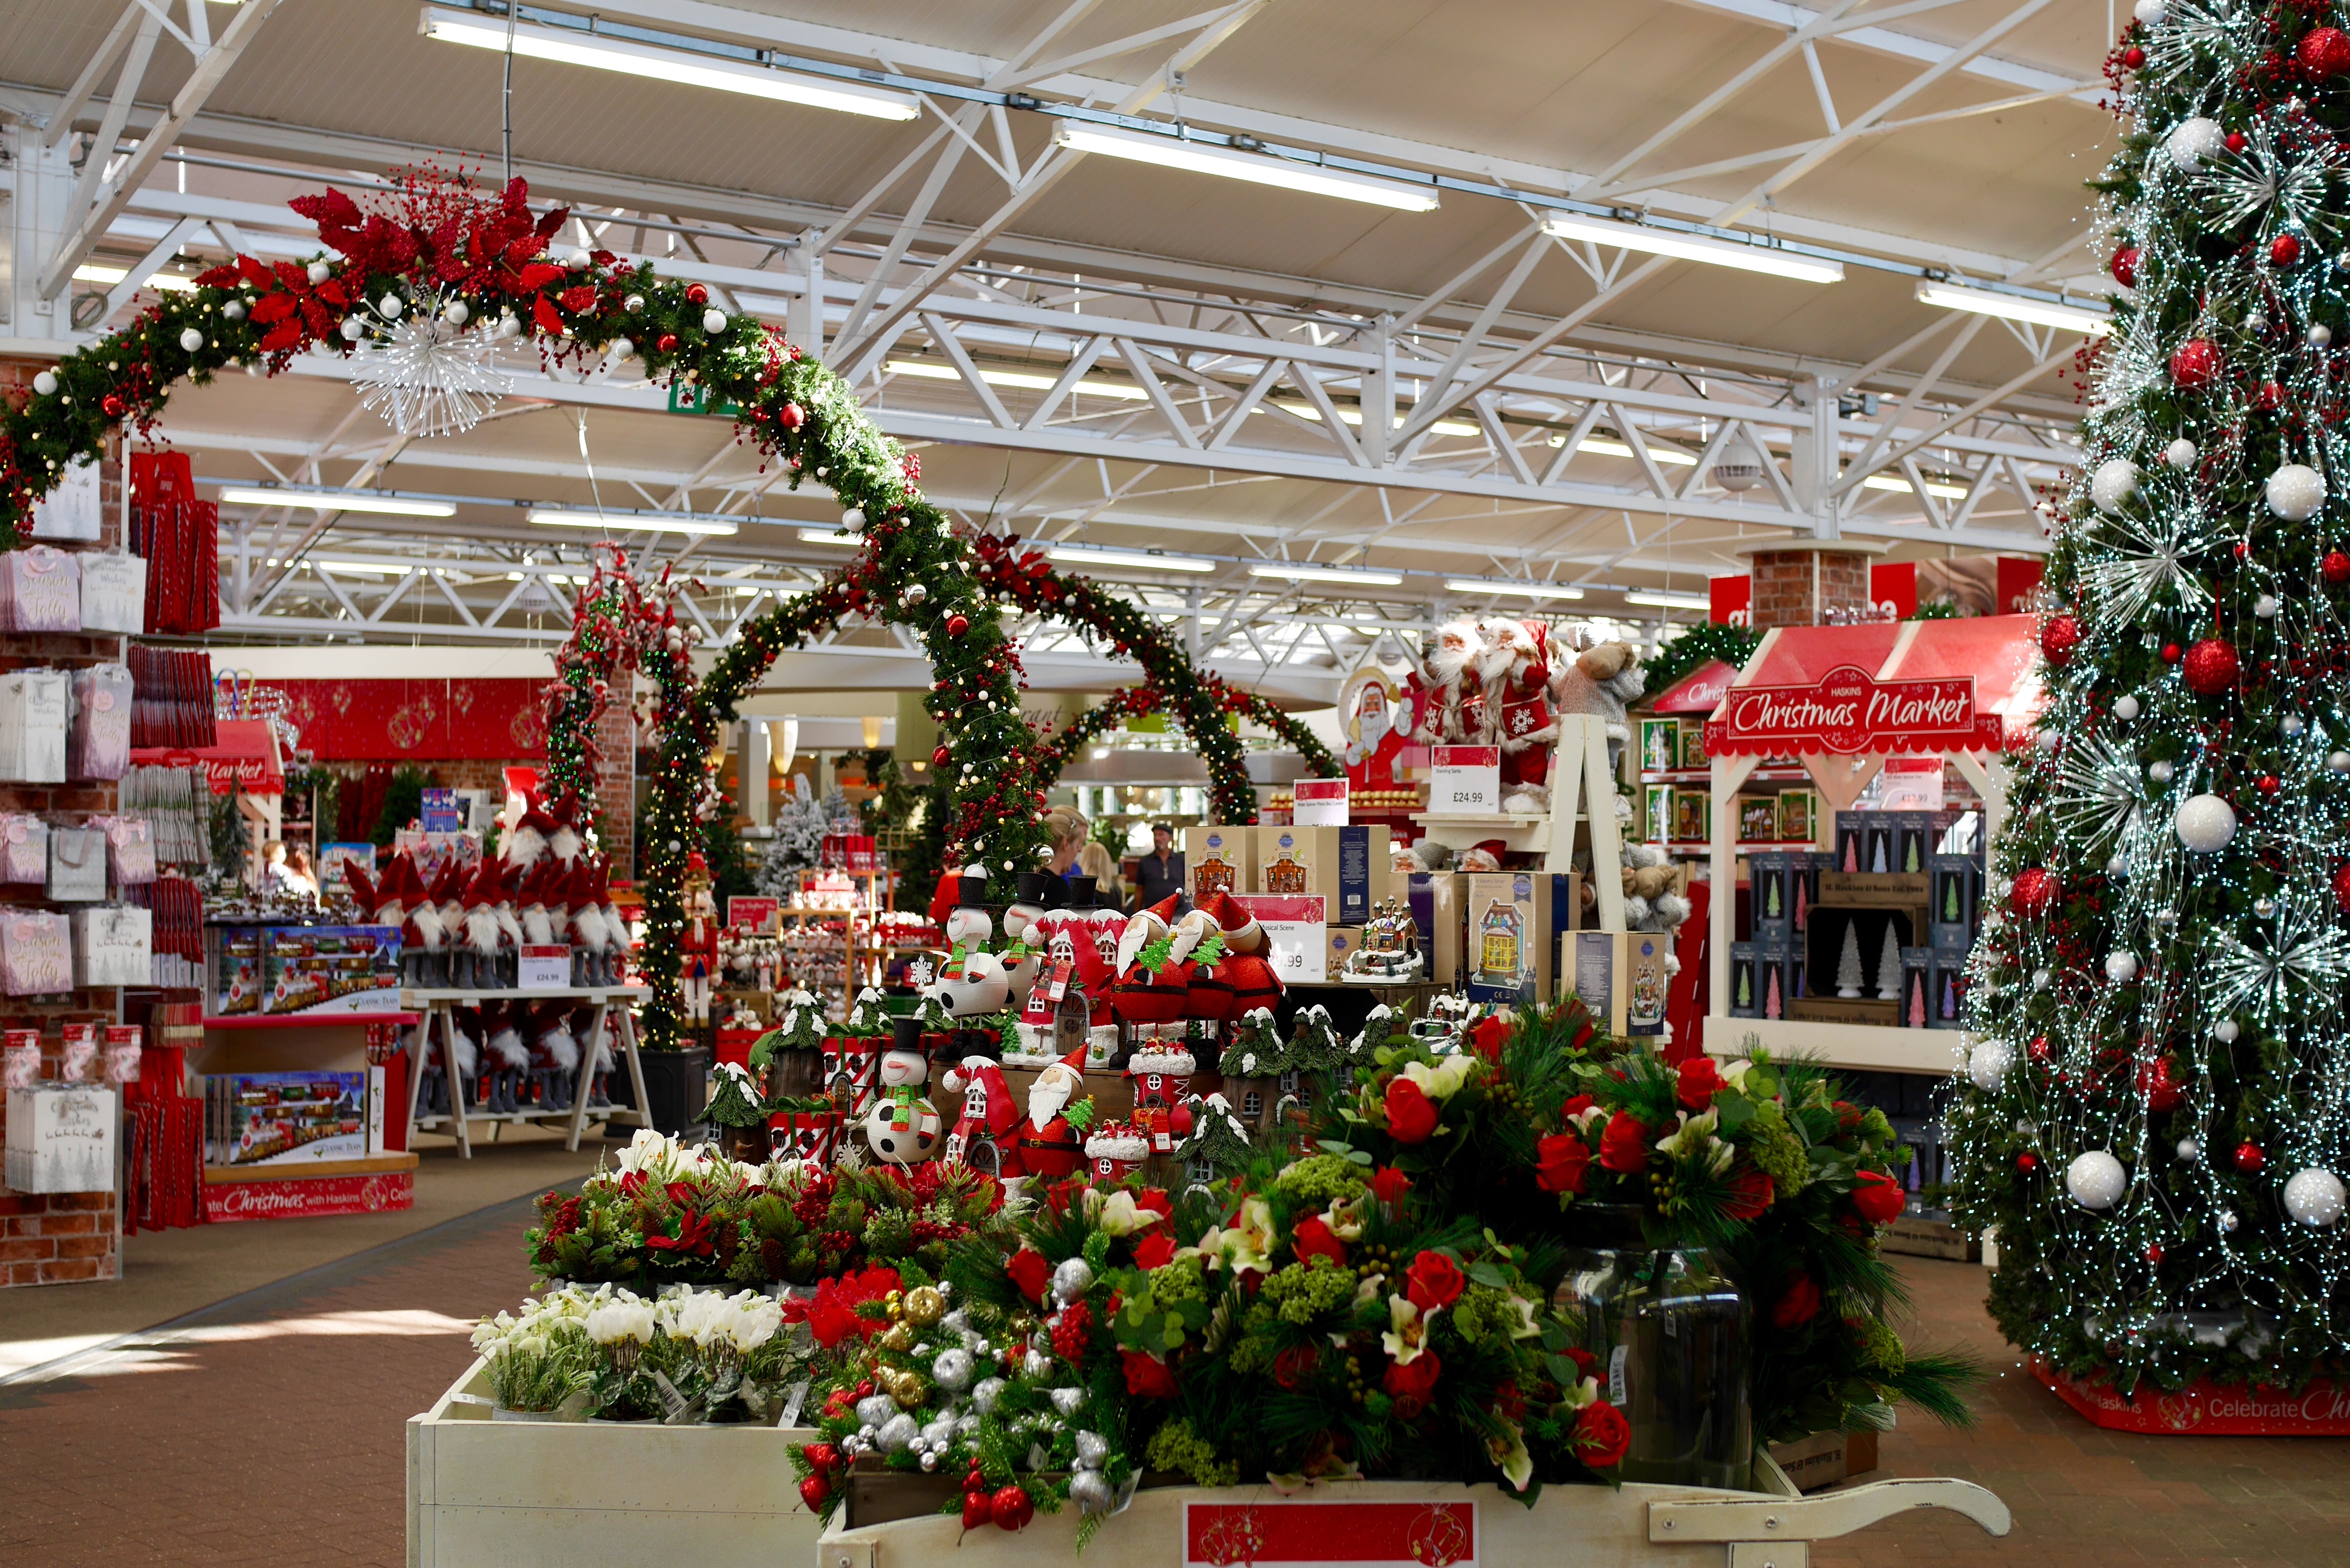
(1161, 872)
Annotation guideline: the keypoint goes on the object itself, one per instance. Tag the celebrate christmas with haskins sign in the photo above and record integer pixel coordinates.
(1847, 712)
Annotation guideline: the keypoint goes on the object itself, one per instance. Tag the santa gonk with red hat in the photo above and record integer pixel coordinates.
(1049, 1141)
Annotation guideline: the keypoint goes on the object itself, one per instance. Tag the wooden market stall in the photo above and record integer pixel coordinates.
(1842, 703)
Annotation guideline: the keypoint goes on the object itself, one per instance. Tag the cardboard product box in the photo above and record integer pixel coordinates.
(1917, 987)
(1351, 867)
(1500, 959)
(1217, 860)
(1693, 757)
(1948, 996)
(1805, 869)
(1558, 910)
(1867, 841)
(1660, 745)
(1953, 900)
(1692, 817)
(1344, 940)
(1745, 992)
(1914, 832)
(1758, 819)
(1774, 908)
(1621, 977)
(1878, 935)
(1439, 903)
(1656, 813)
(61, 1139)
(330, 969)
(285, 1118)
(1799, 816)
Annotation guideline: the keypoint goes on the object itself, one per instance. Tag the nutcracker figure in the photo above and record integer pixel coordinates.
(697, 944)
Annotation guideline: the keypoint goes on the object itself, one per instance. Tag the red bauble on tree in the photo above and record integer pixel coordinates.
(939, 757)
(2194, 364)
(2159, 1086)
(2133, 57)
(2342, 886)
(2036, 892)
(2027, 1162)
(791, 416)
(957, 625)
(696, 295)
(2336, 567)
(2285, 250)
(2058, 637)
(2269, 398)
(2324, 52)
(2170, 653)
(2211, 667)
(2125, 266)
(2249, 1157)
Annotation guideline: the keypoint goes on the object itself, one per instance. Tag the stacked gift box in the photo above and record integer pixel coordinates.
(1771, 971)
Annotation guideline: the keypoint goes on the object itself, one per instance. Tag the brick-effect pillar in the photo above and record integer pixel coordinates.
(616, 785)
(1801, 588)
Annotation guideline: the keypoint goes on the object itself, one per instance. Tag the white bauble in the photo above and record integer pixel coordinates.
(2095, 1180)
(2114, 482)
(2319, 335)
(2338, 761)
(2049, 739)
(2192, 142)
(45, 382)
(713, 321)
(390, 305)
(2160, 772)
(622, 349)
(1072, 1278)
(953, 1369)
(633, 304)
(876, 1408)
(2316, 1197)
(2205, 823)
(2226, 1031)
(2188, 1149)
(2295, 492)
(1988, 1063)
(191, 340)
(897, 1433)
(233, 310)
(320, 272)
(2228, 1220)
(2124, 708)
(577, 259)
(2121, 967)
(2150, 11)
(2290, 726)
(2265, 607)
(2179, 453)
(456, 313)
(853, 519)
(2117, 864)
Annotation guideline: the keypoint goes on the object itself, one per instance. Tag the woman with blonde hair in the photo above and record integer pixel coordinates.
(1094, 860)
(1069, 833)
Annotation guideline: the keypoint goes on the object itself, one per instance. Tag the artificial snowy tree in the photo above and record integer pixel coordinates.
(798, 844)
(1848, 962)
(1889, 965)
(2154, 1110)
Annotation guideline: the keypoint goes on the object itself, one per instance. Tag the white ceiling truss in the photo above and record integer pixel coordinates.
(1166, 377)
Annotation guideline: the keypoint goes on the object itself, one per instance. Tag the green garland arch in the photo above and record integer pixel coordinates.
(1060, 747)
(439, 251)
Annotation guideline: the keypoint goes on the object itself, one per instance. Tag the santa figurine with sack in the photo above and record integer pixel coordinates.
(1455, 711)
(1049, 1140)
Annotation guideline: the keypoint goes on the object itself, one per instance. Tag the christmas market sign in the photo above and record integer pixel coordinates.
(1849, 711)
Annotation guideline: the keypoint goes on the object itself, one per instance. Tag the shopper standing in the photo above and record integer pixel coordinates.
(1161, 872)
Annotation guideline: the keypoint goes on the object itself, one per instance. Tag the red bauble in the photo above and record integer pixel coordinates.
(2027, 1162)
(2039, 1048)
(2154, 1253)
(1012, 1509)
(939, 758)
(666, 342)
(2194, 364)
(2285, 250)
(2342, 886)
(696, 295)
(113, 405)
(957, 625)
(976, 1509)
(2170, 653)
(2211, 667)
(2058, 637)
(2125, 266)
(2270, 783)
(791, 416)
(2269, 397)
(2133, 57)
(2235, 142)
(2249, 1157)
(2035, 891)
(814, 1491)
(2158, 1086)
(2324, 52)
(2336, 567)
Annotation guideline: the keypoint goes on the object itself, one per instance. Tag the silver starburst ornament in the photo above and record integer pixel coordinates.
(427, 375)
(2300, 958)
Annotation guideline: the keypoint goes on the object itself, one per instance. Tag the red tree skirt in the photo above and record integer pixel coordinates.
(2322, 1408)
(304, 1198)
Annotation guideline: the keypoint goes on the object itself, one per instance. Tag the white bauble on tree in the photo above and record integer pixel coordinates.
(2150, 11)
(2126, 708)
(2121, 967)
(2316, 1197)
(2096, 1180)
(2295, 492)
(2179, 453)
(2193, 142)
(2112, 485)
(1988, 1063)
(2205, 823)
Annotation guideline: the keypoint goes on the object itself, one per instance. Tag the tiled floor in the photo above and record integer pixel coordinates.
(269, 1428)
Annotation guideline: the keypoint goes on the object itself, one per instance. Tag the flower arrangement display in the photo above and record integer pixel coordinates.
(670, 1214)
(612, 1355)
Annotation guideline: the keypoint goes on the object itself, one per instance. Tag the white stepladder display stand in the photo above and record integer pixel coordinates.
(438, 1006)
(1579, 773)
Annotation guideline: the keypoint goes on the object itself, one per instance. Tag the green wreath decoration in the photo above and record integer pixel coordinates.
(441, 264)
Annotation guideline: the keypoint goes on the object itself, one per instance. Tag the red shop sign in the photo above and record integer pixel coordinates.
(1848, 713)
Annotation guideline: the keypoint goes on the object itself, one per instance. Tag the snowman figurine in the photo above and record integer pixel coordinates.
(902, 1127)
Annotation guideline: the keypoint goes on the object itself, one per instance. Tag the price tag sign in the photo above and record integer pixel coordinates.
(1464, 780)
(754, 912)
(1321, 803)
(543, 968)
(1298, 933)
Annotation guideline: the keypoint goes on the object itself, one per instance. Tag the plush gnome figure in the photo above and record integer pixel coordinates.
(536, 920)
(1151, 987)
(564, 843)
(421, 928)
(449, 902)
(584, 915)
(902, 1127)
(504, 1056)
(526, 845)
(982, 1130)
(554, 1056)
(1245, 969)
(1454, 710)
(616, 927)
(1046, 1144)
(477, 959)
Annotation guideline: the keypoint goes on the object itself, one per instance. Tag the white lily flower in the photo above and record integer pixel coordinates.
(1408, 1336)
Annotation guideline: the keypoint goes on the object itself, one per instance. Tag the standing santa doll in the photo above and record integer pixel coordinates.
(1454, 711)
(1049, 1141)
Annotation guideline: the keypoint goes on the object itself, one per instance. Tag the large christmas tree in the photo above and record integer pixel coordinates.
(2156, 1110)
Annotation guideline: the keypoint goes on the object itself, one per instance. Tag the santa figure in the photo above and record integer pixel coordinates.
(1044, 1143)
(697, 944)
(1161, 1074)
(1151, 988)
(1244, 971)
(982, 1132)
(1526, 729)
(1455, 711)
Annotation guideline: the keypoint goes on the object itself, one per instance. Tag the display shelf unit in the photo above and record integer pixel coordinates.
(1579, 772)
(340, 1041)
(437, 1006)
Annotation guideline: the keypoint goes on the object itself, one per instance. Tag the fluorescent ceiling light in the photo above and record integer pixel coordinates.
(1694, 247)
(1298, 571)
(1513, 588)
(1663, 456)
(831, 536)
(1355, 417)
(631, 522)
(1147, 560)
(1894, 482)
(930, 370)
(334, 500)
(2015, 307)
(1663, 600)
(1260, 167)
(348, 567)
(100, 273)
(610, 54)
